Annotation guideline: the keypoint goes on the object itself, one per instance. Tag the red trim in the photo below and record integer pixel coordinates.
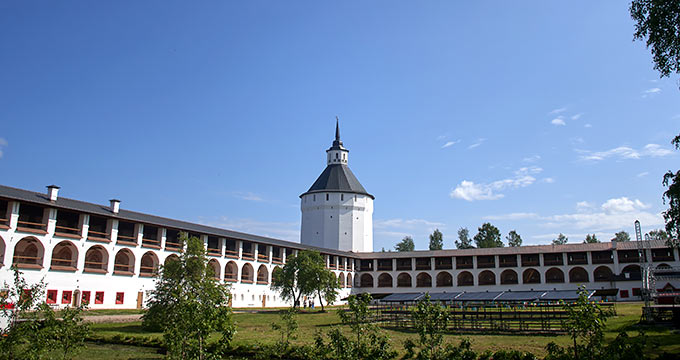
(86, 297)
(120, 298)
(99, 297)
(51, 296)
(66, 296)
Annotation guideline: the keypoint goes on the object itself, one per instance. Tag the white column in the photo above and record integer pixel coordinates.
(84, 225)
(14, 214)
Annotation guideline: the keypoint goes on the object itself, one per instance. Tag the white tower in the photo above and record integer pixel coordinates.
(337, 212)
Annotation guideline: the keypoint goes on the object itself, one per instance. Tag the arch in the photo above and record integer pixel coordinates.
(423, 280)
(631, 272)
(509, 277)
(216, 268)
(404, 280)
(124, 262)
(64, 256)
(262, 275)
(465, 278)
(231, 272)
(172, 257)
(2, 251)
(603, 273)
(349, 280)
(366, 281)
(96, 259)
(663, 266)
(531, 276)
(444, 279)
(578, 275)
(28, 253)
(247, 273)
(341, 280)
(149, 264)
(385, 280)
(554, 276)
(486, 277)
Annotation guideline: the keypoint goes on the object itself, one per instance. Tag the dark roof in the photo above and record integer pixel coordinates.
(337, 178)
(443, 296)
(520, 295)
(399, 297)
(479, 296)
(563, 295)
(103, 210)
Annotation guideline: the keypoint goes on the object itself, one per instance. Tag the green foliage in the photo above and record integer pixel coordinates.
(659, 234)
(621, 236)
(406, 244)
(66, 334)
(436, 240)
(429, 320)
(659, 23)
(672, 195)
(189, 304)
(287, 327)
(464, 241)
(561, 240)
(488, 236)
(303, 275)
(591, 239)
(514, 239)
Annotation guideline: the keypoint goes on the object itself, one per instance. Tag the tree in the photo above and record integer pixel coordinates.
(287, 326)
(67, 334)
(672, 195)
(305, 274)
(430, 320)
(514, 239)
(464, 241)
(488, 236)
(189, 304)
(561, 240)
(436, 240)
(621, 236)
(406, 244)
(658, 23)
(658, 234)
(591, 239)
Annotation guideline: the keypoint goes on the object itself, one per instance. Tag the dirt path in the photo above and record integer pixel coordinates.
(112, 318)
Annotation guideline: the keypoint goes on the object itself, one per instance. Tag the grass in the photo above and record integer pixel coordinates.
(254, 328)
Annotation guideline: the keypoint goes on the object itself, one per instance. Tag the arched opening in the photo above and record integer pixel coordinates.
(349, 280)
(531, 276)
(486, 277)
(2, 252)
(404, 280)
(631, 272)
(465, 278)
(64, 256)
(231, 272)
(554, 276)
(663, 266)
(96, 260)
(124, 263)
(149, 264)
(444, 279)
(366, 281)
(216, 268)
(170, 258)
(341, 280)
(385, 280)
(28, 253)
(247, 273)
(262, 275)
(578, 275)
(602, 274)
(509, 277)
(423, 280)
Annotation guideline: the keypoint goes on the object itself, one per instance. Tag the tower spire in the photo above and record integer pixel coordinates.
(337, 129)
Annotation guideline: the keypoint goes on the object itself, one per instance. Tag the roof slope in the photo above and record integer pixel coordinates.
(337, 178)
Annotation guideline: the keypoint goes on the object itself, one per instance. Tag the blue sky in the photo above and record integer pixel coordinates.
(542, 117)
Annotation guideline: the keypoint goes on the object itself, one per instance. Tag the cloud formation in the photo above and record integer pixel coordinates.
(276, 229)
(479, 142)
(450, 143)
(3, 142)
(558, 122)
(399, 228)
(626, 152)
(470, 191)
(248, 196)
(651, 92)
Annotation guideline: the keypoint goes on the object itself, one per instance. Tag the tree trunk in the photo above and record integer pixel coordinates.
(320, 299)
(575, 350)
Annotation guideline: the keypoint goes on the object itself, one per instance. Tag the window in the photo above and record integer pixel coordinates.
(624, 294)
(314, 197)
(636, 292)
(51, 297)
(99, 297)
(336, 155)
(342, 197)
(66, 297)
(327, 196)
(120, 297)
(86, 297)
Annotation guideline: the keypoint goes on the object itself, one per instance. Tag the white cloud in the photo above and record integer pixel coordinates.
(548, 180)
(479, 142)
(3, 142)
(643, 174)
(450, 143)
(557, 111)
(582, 205)
(468, 190)
(441, 137)
(531, 159)
(558, 122)
(577, 116)
(276, 229)
(623, 204)
(651, 92)
(512, 216)
(248, 196)
(587, 125)
(626, 152)
(405, 223)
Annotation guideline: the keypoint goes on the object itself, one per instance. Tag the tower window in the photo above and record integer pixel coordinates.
(342, 197)
(336, 155)
(314, 197)
(327, 196)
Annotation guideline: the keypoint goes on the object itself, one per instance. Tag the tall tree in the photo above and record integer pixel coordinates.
(436, 240)
(406, 244)
(672, 195)
(514, 239)
(464, 241)
(488, 236)
(305, 274)
(591, 239)
(560, 240)
(659, 234)
(621, 236)
(658, 23)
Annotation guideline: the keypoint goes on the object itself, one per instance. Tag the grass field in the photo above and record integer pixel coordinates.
(254, 328)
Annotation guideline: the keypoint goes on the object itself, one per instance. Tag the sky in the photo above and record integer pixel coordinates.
(540, 117)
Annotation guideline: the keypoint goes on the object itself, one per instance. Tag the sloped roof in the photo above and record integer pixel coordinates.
(337, 178)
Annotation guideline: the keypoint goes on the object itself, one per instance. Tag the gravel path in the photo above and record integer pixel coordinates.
(112, 318)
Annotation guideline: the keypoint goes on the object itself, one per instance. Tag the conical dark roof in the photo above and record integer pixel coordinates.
(337, 178)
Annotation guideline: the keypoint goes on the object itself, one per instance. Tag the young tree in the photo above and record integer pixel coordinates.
(190, 304)
(488, 236)
(591, 239)
(436, 240)
(621, 236)
(67, 334)
(561, 240)
(430, 320)
(585, 322)
(287, 327)
(514, 239)
(304, 275)
(464, 241)
(658, 234)
(285, 281)
(406, 244)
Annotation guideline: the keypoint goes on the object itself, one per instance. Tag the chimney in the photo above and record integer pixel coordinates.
(52, 192)
(115, 205)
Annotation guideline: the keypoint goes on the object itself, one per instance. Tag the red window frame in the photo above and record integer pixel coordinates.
(99, 297)
(637, 292)
(120, 298)
(624, 294)
(51, 296)
(85, 299)
(66, 296)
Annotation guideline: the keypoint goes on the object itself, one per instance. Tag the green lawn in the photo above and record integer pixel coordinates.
(253, 328)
